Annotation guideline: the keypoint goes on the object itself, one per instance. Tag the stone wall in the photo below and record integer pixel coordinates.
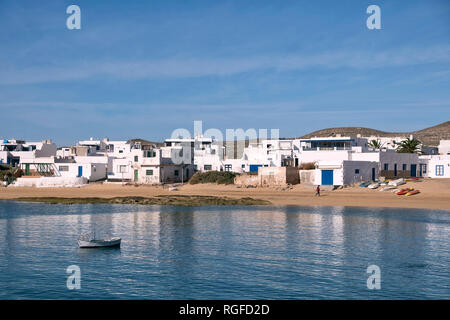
(307, 176)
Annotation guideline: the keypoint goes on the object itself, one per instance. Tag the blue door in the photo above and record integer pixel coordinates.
(80, 171)
(327, 177)
(254, 167)
(413, 170)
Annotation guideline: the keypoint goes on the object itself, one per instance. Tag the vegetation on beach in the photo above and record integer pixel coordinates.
(10, 173)
(220, 177)
(174, 200)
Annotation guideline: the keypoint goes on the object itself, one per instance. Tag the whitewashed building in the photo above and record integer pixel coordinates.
(346, 160)
(436, 166)
(12, 151)
(267, 153)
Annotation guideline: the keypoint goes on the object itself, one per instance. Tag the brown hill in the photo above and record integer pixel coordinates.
(429, 136)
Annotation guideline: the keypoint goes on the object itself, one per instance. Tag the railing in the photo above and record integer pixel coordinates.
(326, 148)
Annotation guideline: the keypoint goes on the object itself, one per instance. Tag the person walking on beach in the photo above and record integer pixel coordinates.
(318, 191)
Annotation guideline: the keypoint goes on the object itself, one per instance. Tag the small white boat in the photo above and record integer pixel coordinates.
(397, 182)
(373, 185)
(387, 188)
(89, 241)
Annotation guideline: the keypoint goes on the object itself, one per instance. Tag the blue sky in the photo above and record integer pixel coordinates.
(145, 68)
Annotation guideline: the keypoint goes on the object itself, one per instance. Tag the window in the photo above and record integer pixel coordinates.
(404, 167)
(122, 168)
(136, 158)
(440, 170)
(243, 166)
(149, 172)
(207, 167)
(63, 168)
(386, 166)
(120, 151)
(356, 171)
(150, 154)
(424, 168)
(228, 167)
(176, 173)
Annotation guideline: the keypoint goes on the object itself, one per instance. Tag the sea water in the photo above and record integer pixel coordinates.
(224, 252)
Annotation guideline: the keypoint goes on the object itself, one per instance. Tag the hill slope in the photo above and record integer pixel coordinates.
(429, 136)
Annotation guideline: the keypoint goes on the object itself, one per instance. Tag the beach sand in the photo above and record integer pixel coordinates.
(435, 194)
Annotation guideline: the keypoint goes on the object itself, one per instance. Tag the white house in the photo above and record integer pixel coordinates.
(208, 154)
(144, 162)
(437, 166)
(12, 152)
(267, 153)
(345, 172)
(91, 168)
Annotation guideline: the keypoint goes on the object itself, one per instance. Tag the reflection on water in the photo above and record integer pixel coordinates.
(223, 252)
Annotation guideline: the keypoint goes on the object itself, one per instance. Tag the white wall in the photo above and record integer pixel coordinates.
(365, 171)
(91, 171)
(444, 147)
(437, 160)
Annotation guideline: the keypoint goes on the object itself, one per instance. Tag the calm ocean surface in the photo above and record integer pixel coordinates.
(224, 252)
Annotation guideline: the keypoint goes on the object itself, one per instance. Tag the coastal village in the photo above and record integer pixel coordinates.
(325, 161)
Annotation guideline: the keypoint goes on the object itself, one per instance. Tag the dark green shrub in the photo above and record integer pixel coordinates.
(220, 177)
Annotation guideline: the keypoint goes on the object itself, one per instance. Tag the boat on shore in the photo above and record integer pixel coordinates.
(386, 188)
(373, 185)
(404, 191)
(397, 182)
(89, 241)
(410, 193)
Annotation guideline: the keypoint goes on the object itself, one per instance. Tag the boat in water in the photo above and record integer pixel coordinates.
(88, 241)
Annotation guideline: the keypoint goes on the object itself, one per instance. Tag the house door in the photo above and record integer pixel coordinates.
(327, 177)
(136, 175)
(395, 170)
(27, 169)
(80, 171)
(373, 174)
(413, 170)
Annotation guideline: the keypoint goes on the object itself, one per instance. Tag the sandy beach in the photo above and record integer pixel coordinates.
(435, 194)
